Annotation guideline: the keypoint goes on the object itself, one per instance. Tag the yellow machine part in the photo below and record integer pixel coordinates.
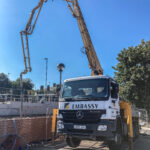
(55, 112)
(126, 106)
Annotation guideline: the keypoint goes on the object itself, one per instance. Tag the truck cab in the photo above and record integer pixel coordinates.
(89, 109)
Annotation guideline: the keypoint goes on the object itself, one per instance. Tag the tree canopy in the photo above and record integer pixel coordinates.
(27, 84)
(6, 84)
(133, 74)
(4, 81)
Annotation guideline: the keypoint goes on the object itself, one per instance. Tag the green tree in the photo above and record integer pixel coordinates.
(27, 85)
(133, 74)
(5, 83)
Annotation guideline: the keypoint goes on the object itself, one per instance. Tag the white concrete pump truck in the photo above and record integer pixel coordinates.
(89, 107)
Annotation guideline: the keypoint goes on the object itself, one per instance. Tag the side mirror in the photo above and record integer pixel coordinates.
(117, 89)
(114, 90)
(111, 88)
(58, 88)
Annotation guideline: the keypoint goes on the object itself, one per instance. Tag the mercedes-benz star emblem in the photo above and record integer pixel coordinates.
(79, 114)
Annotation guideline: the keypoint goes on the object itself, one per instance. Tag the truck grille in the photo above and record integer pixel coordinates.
(80, 131)
(90, 116)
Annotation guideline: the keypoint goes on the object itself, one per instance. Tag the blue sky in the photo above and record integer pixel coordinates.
(113, 25)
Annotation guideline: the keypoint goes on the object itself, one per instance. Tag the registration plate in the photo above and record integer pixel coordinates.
(82, 127)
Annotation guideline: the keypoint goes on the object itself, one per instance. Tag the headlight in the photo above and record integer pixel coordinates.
(102, 128)
(59, 116)
(60, 125)
(103, 116)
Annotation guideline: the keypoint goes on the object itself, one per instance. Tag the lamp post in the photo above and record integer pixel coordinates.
(60, 68)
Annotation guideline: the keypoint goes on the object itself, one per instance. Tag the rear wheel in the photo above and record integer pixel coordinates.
(135, 128)
(125, 130)
(73, 142)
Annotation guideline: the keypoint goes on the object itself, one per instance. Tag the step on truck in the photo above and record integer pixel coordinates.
(90, 109)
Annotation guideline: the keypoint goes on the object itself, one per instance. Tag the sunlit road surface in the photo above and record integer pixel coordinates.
(142, 143)
(85, 145)
(88, 145)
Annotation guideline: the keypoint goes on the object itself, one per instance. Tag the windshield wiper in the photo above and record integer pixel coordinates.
(74, 98)
(69, 98)
(92, 98)
(81, 98)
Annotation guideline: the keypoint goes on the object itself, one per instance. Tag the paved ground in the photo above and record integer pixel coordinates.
(142, 143)
(85, 145)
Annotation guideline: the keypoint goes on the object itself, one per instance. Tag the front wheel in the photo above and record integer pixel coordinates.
(73, 142)
(114, 147)
(117, 144)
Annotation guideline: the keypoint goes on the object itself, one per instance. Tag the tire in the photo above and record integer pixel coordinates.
(136, 132)
(125, 131)
(114, 147)
(117, 144)
(73, 142)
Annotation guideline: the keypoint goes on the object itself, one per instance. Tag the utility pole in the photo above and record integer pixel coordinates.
(21, 96)
(49, 83)
(46, 60)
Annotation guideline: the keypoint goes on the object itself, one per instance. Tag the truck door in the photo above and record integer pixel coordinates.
(114, 98)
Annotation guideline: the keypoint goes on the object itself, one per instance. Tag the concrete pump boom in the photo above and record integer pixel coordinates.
(25, 45)
(28, 31)
(94, 63)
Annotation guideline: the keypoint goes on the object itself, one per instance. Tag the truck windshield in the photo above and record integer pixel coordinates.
(91, 89)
